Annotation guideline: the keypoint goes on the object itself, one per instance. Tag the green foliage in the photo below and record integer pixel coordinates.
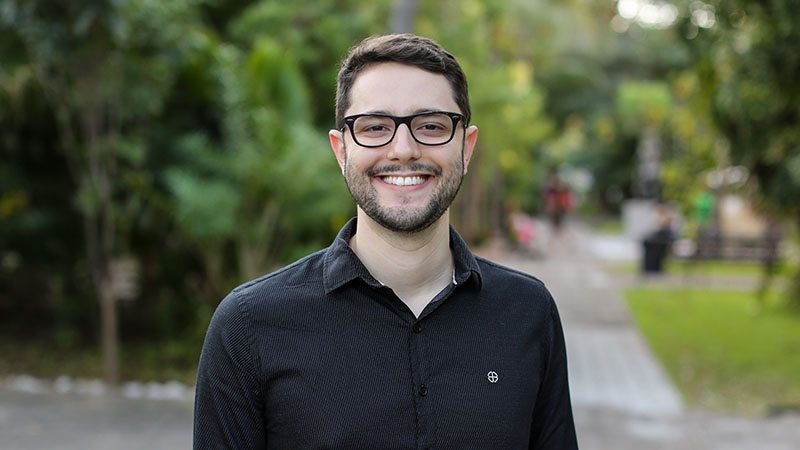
(643, 104)
(208, 120)
(171, 360)
(719, 353)
(746, 70)
(214, 171)
(747, 66)
(205, 208)
(504, 96)
(273, 78)
(315, 35)
(67, 102)
(695, 144)
(240, 190)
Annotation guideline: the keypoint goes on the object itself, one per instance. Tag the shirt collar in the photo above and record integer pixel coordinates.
(341, 265)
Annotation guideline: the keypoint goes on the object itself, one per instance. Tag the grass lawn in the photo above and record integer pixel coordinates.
(163, 361)
(721, 353)
(606, 225)
(673, 266)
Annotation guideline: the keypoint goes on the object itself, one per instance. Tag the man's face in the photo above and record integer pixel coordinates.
(404, 186)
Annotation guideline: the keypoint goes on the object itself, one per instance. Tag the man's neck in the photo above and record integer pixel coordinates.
(415, 266)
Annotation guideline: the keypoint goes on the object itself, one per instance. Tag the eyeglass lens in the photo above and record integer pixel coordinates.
(429, 129)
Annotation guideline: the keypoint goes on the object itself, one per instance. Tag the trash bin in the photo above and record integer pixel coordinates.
(656, 248)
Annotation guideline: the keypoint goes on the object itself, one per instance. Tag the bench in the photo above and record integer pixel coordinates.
(711, 245)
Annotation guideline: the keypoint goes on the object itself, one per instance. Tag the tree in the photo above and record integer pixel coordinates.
(245, 197)
(746, 62)
(507, 105)
(206, 163)
(317, 33)
(262, 187)
(404, 14)
(103, 68)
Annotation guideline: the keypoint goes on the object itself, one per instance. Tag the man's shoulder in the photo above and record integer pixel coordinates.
(305, 272)
(520, 294)
(497, 271)
(498, 278)
(285, 295)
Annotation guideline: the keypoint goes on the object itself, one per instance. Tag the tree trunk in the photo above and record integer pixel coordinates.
(794, 280)
(496, 204)
(467, 218)
(96, 120)
(404, 14)
(99, 230)
(108, 318)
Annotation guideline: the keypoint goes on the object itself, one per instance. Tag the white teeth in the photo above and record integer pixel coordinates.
(404, 181)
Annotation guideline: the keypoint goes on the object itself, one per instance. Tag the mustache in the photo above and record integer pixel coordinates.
(413, 167)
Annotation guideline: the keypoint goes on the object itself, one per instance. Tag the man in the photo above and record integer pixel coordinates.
(396, 336)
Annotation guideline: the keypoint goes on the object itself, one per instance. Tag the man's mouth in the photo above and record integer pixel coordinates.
(405, 181)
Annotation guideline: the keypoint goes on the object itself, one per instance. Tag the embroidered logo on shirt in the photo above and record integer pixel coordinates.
(492, 376)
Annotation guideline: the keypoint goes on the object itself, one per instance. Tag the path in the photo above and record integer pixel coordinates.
(52, 421)
(622, 397)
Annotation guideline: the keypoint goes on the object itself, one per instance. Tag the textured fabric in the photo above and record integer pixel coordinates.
(320, 355)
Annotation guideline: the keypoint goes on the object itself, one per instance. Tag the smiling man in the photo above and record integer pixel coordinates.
(396, 336)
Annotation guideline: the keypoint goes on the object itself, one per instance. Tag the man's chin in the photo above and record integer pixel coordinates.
(403, 223)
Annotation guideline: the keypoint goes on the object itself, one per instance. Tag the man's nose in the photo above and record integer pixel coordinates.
(403, 147)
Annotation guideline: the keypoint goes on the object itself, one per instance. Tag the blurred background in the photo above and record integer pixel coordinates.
(155, 154)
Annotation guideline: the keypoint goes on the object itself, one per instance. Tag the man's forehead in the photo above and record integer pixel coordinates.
(396, 88)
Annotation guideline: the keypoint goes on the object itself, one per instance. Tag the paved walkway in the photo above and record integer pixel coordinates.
(610, 364)
(622, 397)
(53, 421)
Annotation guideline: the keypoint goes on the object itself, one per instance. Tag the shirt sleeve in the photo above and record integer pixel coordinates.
(228, 409)
(553, 426)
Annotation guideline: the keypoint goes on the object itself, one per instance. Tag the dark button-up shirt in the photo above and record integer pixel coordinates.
(321, 355)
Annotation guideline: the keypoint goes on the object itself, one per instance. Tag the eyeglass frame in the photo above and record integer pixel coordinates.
(399, 120)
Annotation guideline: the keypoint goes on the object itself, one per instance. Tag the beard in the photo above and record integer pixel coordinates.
(401, 219)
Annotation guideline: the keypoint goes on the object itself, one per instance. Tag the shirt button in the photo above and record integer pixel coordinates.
(423, 390)
(417, 328)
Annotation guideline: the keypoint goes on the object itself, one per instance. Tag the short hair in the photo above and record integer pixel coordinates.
(404, 49)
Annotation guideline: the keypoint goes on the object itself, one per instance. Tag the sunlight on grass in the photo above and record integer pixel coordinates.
(677, 267)
(722, 353)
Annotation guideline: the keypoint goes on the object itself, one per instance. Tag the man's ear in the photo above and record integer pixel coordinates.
(337, 144)
(470, 138)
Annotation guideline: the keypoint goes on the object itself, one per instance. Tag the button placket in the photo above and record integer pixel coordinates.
(422, 390)
(420, 365)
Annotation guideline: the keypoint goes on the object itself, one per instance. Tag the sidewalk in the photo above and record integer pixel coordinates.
(622, 397)
(53, 421)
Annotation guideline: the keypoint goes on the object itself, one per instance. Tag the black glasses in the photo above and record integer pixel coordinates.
(427, 128)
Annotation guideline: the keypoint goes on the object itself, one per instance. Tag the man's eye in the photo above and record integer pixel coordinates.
(432, 129)
(373, 125)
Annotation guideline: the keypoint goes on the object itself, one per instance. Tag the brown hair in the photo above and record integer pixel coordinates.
(405, 49)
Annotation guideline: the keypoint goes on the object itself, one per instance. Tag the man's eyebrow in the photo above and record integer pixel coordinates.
(427, 110)
(416, 111)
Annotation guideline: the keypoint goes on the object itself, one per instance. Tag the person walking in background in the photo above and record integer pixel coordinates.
(396, 336)
(558, 201)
